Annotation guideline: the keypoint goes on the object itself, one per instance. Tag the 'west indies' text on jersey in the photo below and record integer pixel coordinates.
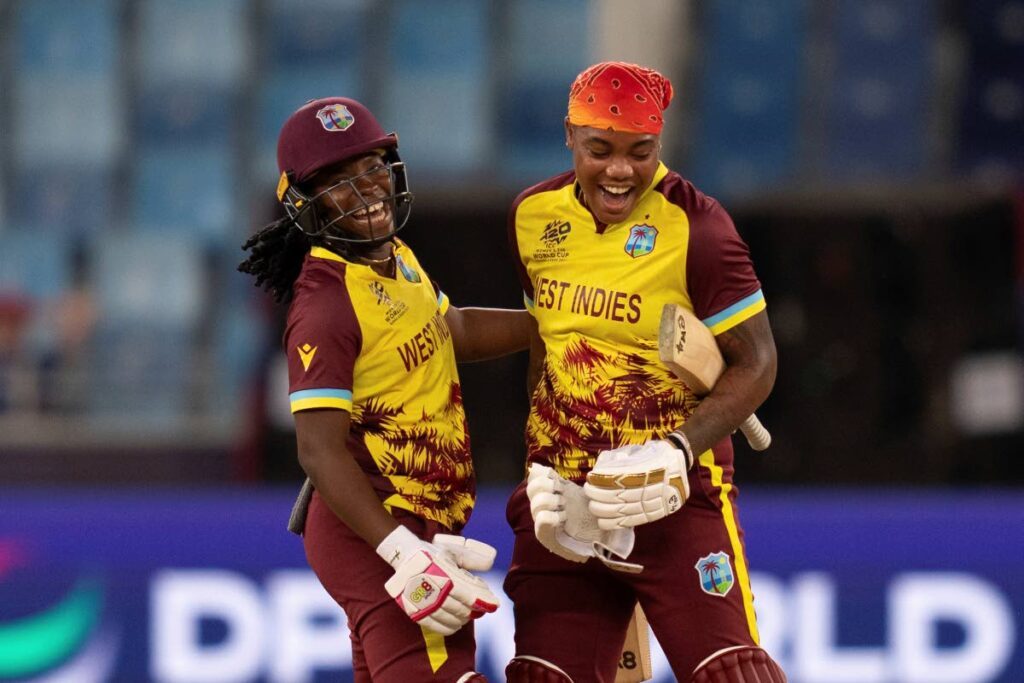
(380, 348)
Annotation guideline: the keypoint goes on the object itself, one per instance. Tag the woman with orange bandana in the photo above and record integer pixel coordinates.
(600, 250)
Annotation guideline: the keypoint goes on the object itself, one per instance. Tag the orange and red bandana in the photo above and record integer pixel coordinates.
(619, 96)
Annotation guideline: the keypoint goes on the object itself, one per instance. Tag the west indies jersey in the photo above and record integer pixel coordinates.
(597, 292)
(380, 348)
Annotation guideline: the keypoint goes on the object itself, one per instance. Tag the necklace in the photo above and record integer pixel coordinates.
(378, 261)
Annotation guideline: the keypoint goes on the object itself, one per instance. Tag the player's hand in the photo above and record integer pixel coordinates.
(635, 485)
(430, 586)
(564, 525)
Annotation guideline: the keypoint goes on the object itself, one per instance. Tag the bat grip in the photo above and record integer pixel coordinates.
(757, 436)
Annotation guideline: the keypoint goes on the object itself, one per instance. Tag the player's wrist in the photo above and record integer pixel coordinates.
(678, 439)
(399, 545)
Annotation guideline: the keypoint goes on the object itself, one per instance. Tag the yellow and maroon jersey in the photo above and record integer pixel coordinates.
(380, 348)
(597, 292)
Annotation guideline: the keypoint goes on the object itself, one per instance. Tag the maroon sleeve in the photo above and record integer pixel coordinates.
(322, 338)
(719, 271)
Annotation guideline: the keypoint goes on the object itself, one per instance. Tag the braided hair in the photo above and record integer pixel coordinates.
(276, 255)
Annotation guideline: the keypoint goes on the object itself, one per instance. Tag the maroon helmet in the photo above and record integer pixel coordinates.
(325, 132)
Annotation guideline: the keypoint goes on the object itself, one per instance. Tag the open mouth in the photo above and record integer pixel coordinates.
(615, 198)
(372, 212)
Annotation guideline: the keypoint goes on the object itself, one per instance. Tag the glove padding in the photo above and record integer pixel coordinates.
(564, 525)
(635, 485)
(430, 583)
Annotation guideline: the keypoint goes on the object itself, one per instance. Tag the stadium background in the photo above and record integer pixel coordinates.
(871, 153)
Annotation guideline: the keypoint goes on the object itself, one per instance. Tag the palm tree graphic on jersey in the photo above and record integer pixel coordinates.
(428, 464)
(589, 401)
(710, 567)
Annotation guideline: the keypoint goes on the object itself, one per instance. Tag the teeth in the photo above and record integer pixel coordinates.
(373, 210)
(615, 190)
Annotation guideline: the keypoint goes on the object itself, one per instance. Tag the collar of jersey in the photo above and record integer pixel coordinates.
(327, 254)
(601, 227)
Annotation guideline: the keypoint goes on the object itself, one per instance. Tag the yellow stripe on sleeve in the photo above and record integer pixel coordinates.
(707, 459)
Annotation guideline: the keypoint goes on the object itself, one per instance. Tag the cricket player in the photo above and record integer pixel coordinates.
(600, 250)
(372, 345)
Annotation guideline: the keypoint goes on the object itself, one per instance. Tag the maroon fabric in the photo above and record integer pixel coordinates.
(315, 136)
(719, 271)
(576, 615)
(745, 665)
(387, 646)
(528, 671)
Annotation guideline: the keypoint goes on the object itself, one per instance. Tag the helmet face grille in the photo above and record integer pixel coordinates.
(322, 218)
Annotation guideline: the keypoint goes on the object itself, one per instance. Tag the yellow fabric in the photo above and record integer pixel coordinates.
(406, 398)
(437, 652)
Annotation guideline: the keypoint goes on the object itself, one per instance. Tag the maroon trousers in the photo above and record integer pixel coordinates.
(387, 646)
(694, 588)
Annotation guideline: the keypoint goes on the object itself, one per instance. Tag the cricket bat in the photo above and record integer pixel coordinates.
(688, 348)
(635, 660)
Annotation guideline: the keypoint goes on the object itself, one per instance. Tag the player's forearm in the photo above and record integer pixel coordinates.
(737, 394)
(347, 492)
(749, 352)
(485, 333)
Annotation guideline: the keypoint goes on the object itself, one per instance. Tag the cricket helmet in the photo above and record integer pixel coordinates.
(325, 132)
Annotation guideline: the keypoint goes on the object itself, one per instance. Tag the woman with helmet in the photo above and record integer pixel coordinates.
(372, 345)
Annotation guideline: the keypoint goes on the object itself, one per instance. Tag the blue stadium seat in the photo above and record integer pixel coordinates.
(749, 98)
(66, 118)
(150, 293)
(316, 32)
(68, 36)
(34, 264)
(878, 99)
(140, 372)
(548, 45)
(65, 200)
(185, 113)
(186, 189)
(437, 96)
(155, 279)
(991, 141)
(196, 41)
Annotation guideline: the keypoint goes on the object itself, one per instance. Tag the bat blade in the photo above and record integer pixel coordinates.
(688, 348)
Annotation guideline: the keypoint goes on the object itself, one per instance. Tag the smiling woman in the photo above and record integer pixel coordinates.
(372, 344)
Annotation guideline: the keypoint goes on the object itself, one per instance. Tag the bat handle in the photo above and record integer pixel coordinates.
(757, 436)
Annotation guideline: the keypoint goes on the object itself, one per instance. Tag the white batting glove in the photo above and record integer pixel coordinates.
(565, 526)
(430, 584)
(635, 485)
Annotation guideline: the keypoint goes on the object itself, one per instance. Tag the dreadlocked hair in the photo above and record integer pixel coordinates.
(276, 255)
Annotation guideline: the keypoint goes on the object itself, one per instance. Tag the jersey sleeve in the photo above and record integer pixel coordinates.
(442, 299)
(720, 277)
(322, 341)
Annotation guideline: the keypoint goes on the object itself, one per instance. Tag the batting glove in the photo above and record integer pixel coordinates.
(564, 525)
(430, 583)
(635, 485)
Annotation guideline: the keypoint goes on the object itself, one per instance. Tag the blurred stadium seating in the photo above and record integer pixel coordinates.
(138, 153)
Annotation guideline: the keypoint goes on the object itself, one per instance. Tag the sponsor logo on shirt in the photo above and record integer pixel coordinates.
(554, 234)
(641, 240)
(306, 353)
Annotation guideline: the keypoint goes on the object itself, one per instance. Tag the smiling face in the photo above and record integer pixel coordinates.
(355, 197)
(613, 168)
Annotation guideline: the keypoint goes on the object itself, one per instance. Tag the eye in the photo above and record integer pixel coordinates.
(599, 153)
